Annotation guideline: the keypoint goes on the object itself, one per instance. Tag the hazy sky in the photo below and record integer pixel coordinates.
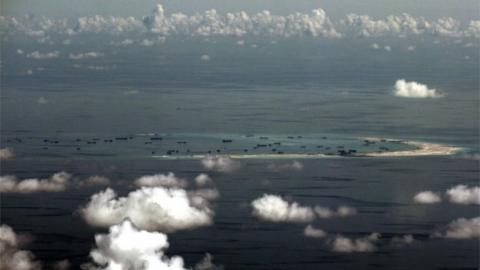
(462, 10)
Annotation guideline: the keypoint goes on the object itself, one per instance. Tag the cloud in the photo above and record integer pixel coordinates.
(126, 42)
(405, 240)
(19, 51)
(11, 256)
(58, 182)
(414, 90)
(464, 195)
(348, 245)
(207, 264)
(6, 153)
(211, 23)
(203, 180)
(460, 194)
(274, 208)
(147, 43)
(292, 166)
(161, 180)
(461, 228)
(86, 55)
(41, 56)
(205, 57)
(62, 265)
(405, 25)
(220, 163)
(127, 247)
(94, 181)
(150, 208)
(342, 211)
(310, 231)
(427, 197)
(387, 48)
(42, 100)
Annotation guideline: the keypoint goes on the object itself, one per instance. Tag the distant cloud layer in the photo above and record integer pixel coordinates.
(414, 90)
(211, 23)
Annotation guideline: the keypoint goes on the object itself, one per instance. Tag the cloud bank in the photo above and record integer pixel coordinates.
(210, 23)
(414, 90)
(150, 208)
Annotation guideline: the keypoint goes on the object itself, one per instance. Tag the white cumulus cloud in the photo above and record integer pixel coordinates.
(463, 194)
(461, 228)
(220, 163)
(150, 208)
(348, 245)
(275, 208)
(414, 90)
(313, 232)
(127, 247)
(57, 182)
(427, 197)
(6, 153)
(11, 256)
(161, 180)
